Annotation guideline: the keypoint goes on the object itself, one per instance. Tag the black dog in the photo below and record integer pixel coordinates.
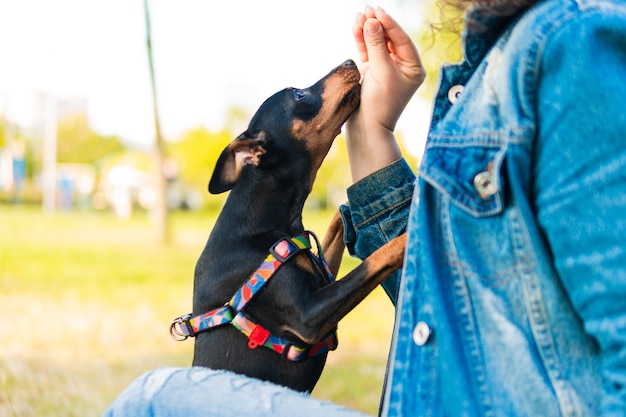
(270, 170)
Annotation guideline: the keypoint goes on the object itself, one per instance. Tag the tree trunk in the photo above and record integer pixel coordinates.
(159, 209)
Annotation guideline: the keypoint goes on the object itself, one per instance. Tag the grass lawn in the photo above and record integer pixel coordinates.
(86, 301)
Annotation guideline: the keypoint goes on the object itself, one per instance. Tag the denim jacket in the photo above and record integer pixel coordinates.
(512, 300)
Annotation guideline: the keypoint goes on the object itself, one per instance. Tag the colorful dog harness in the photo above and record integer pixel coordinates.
(232, 312)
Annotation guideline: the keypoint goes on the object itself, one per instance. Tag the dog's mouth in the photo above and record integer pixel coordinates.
(351, 77)
(350, 101)
(352, 97)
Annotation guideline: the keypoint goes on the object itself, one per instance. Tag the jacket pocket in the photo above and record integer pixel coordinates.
(469, 172)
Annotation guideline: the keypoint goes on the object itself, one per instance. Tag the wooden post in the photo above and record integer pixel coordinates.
(159, 210)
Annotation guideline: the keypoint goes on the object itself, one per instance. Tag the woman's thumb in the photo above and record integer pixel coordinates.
(374, 37)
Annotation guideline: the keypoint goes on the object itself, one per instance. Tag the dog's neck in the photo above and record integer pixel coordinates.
(255, 209)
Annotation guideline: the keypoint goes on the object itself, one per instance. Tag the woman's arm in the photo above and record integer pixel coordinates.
(580, 179)
(379, 200)
(391, 72)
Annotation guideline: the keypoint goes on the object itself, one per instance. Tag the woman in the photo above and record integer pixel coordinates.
(512, 300)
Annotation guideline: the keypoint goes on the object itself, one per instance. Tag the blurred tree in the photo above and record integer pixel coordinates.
(2, 134)
(333, 178)
(159, 209)
(77, 143)
(196, 153)
(439, 41)
(236, 120)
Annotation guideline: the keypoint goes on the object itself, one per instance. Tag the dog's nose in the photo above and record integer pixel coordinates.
(349, 63)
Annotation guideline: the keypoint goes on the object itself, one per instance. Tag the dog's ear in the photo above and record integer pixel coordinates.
(246, 149)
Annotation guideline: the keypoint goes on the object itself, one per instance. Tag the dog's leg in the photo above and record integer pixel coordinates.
(333, 245)
(330, 304)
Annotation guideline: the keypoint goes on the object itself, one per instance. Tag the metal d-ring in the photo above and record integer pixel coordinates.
(176, 329)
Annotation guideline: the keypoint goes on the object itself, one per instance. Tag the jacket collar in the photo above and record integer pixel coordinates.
(481, 31)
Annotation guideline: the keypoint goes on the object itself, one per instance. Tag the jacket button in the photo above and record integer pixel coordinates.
(454, 92)
(421, 333)
(483, 183)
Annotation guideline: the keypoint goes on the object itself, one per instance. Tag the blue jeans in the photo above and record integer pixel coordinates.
(195, 392)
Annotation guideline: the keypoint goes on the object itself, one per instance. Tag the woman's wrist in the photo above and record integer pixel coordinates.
(371, 147)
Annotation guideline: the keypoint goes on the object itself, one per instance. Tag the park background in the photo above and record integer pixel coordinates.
(90, 274)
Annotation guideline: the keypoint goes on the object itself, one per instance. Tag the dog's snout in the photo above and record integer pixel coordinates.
(349, 72)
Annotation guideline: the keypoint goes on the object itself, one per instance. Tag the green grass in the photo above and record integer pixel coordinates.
(86, 300)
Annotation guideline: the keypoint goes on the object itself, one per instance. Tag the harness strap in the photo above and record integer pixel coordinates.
(258, 336)
(188, 326)
(280, 253)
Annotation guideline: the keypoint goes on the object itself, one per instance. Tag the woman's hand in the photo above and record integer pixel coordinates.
(391, 72)
(390, 64)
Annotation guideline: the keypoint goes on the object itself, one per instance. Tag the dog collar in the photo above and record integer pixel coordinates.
(232, 312)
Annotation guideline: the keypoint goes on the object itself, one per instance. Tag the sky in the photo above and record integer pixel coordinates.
(209, 56)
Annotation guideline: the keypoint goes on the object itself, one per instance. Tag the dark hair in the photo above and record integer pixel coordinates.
(452, 12)
(505, 8)
(492, 8)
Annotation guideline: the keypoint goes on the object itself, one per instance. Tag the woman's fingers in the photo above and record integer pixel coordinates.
(357, 33)
(400, 44)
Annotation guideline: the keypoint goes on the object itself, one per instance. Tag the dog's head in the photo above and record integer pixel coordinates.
(293, 128)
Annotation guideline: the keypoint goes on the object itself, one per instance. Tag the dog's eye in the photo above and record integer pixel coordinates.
(298, 94)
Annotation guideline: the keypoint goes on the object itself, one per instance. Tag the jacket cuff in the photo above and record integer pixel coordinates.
(380, 191)
(377, 208)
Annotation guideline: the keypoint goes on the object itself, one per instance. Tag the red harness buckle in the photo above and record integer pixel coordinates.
(258, 337)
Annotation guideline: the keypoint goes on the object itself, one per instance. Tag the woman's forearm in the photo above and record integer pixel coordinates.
(370, 147)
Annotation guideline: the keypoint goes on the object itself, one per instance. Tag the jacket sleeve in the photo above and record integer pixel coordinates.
(580, 179)
(377, 211)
